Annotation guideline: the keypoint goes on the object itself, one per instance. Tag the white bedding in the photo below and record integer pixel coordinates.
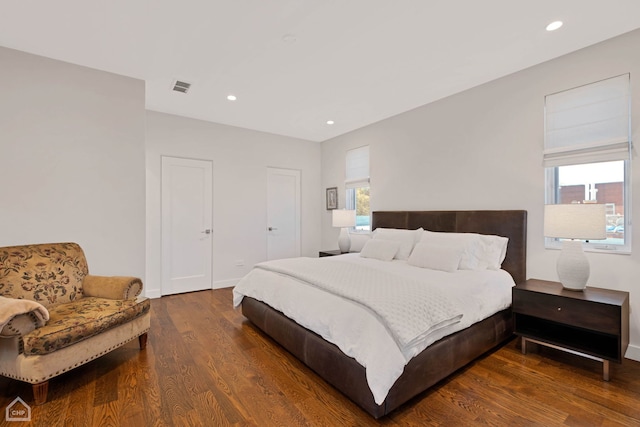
(410, 309)
(357, 331)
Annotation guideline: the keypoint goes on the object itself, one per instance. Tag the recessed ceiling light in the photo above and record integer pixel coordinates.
(330, 122)
(231, 97)
(554, 25)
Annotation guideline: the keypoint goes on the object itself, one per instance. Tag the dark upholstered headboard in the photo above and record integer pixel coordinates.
(509, 223)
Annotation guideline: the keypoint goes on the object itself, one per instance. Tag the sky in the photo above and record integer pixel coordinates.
(592, 173)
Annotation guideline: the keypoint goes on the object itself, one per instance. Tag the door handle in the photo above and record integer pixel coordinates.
(207, 231)
(272, 228)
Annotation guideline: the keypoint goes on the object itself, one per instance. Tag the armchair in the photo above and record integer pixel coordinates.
(55, 316)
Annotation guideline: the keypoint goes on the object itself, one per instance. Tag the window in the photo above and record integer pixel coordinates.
(587, 154)
(357, 186)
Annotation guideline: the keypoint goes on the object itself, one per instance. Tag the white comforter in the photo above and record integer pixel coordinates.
(410, 309)
(360, 333)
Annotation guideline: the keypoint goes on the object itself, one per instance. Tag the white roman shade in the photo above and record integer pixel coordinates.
(357, 172)
(588, 124)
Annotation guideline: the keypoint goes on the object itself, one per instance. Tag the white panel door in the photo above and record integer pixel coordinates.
(187, 201)
(283, 213)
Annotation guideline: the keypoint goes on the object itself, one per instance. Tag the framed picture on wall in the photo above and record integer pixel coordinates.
(332, 198)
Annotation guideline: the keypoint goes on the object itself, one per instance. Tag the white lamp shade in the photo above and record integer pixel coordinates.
(575, 221)
(344, 218)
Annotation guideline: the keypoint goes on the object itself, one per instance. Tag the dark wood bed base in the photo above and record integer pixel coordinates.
(450, 353)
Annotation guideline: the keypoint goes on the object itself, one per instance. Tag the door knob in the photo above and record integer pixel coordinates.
(272, 228)
(207, 231)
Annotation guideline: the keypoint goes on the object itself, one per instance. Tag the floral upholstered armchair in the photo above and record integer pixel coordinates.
(55, 316)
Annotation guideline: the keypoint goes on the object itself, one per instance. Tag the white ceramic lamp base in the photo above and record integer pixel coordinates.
(344, 242)
(573, 266)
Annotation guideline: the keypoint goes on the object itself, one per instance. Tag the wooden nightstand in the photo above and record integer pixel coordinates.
(329, 253)
(593, 323)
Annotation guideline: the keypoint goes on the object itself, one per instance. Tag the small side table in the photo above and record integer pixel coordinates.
(593, 323)
(333, 252)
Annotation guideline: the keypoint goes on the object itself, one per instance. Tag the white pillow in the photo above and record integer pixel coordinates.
(434, 257)
(406, 238)
(480, 251)
(468, 243)
(494, 250)
(358, 240)
(384, 250)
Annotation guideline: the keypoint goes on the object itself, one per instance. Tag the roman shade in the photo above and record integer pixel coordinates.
(357, 171)
(588, 124)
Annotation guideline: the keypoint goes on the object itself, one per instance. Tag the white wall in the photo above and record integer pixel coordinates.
(72, 160)
(485, 145)
(240, 159)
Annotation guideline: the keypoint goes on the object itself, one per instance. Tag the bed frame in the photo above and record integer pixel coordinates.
(437, 361)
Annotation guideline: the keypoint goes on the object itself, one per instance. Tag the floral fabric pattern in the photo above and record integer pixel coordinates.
(50, 274)
(81, 319)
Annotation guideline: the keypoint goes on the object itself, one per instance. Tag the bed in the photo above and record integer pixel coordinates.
(439, 359)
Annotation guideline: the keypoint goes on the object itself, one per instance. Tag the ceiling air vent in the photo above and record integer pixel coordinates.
(179, 86)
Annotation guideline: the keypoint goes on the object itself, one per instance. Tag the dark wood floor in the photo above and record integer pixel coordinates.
(206, 366)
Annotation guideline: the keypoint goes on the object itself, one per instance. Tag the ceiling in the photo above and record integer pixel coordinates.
(294, 64)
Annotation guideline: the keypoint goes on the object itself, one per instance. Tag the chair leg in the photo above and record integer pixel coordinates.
(143, 341)
(40, 392)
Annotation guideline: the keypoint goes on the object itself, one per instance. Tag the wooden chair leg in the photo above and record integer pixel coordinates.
(40, 392)
(143, 341)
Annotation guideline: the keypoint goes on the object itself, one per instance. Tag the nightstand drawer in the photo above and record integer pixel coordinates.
(579, 313)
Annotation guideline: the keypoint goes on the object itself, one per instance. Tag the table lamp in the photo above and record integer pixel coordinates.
(574, 221)
(344, 218)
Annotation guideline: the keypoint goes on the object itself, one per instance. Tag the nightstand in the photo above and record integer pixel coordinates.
(593, 323)
(329, 253)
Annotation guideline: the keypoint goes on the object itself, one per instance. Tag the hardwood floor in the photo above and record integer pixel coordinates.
(206, 366)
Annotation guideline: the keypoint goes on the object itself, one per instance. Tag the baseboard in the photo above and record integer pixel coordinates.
(225, 283)
(157, 293)
(152, 293)
(633, 353)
